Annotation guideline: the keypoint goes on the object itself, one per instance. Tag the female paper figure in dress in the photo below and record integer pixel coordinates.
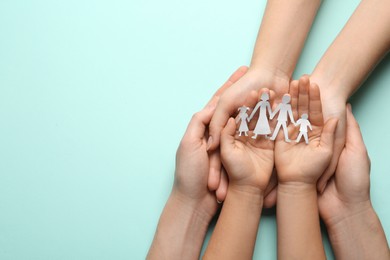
(243, 116)
(262, 125)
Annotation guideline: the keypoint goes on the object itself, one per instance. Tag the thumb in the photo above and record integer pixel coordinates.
(328, 133)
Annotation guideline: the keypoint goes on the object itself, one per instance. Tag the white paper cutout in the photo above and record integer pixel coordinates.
(285, 112)
(262, 125)
(243, 116)
(304, 124)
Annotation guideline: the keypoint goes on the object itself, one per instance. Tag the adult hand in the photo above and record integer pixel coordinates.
(236, 96)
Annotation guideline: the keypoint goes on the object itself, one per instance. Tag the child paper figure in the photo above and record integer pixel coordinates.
(243, 116)
(285, 111)
(262, 125)
(304, 124)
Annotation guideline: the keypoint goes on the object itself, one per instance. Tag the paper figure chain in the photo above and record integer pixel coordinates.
(262, 125)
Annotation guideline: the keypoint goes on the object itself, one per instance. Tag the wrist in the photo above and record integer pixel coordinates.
(244, 193)
(332, 88)
(350, 216)
(192, 208)
(268, 76)
(297, 188)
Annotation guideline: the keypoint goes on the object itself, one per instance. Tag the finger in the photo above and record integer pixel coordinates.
(223, 186)
(270, 199)
(294, 92)
(224, 110)
(328, 133)
(227, 135)
(303, 97)
(233, 78)
(315, 106)
(354, 135)
(215, 170)
(197, 126)
(337, 149)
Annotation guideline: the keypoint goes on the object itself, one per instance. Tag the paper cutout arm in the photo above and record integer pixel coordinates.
(309, 125)
(253, 112)
(291, 115)
(275, 112)
(298, 122)
(269, 108)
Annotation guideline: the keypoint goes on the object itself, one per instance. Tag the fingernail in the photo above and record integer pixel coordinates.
(219, 202)
(209, 142)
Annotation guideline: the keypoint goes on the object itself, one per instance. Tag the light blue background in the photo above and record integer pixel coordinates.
(94, 99)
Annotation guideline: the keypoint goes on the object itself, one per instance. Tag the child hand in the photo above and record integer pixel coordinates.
(301, 162)
(248, 162)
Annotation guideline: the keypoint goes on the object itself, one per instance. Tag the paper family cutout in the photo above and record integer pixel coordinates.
(262, 126)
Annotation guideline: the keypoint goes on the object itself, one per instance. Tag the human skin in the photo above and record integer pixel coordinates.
(272, 65)
(362, 43)
(299, 165)
(249, 164)
(354, 228)
(191, 206)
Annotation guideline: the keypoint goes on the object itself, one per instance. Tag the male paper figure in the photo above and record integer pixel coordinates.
(285, 111)
(304, 124)
(243, 116)
(262, 125)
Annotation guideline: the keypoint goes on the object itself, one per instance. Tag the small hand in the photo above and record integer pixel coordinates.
(248, 162)
(310, 160)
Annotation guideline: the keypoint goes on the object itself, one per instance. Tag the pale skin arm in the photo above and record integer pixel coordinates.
(354, 228)
(299, 166)
(299, 233)
(249, 164)
(180, 232)
(234, 236)
(274, 59)
(191, 206)
(362, 43)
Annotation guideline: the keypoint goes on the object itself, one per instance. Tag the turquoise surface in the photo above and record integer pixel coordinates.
(95, 97)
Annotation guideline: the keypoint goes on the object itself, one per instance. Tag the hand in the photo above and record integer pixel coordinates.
(248, 162)
(236, 96)
(348, 191)
(301, 162)
(192, 159)
(345, 204)
(333, 106)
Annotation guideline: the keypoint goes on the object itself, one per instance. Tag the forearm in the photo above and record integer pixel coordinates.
(358, 235)
(235, 234)
(282, 35)
(299, 234)
(180, 231)
(361, 44)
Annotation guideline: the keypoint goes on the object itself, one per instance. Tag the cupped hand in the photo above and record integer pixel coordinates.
(249, 162)
(227, 106)
(348, 191)
(301, 162)
(192, 159)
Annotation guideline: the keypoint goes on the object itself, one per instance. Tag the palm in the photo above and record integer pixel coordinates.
(309, 159)
(192, 168)
(249, 161)
(349, 186)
